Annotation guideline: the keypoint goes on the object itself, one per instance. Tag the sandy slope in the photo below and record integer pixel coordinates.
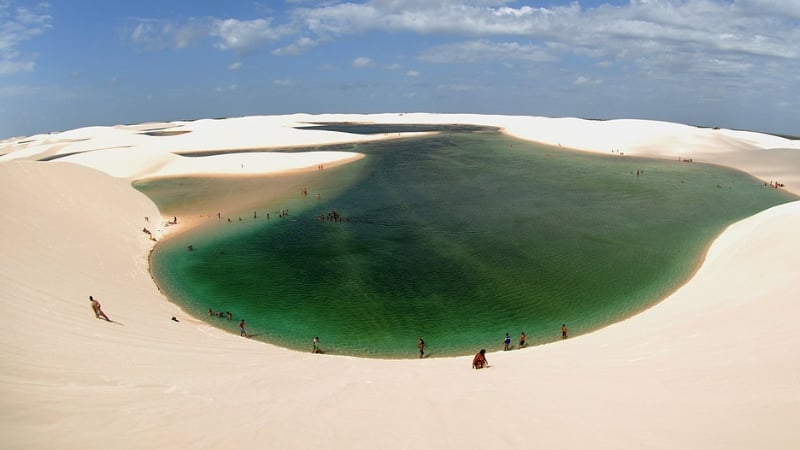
(714, 366)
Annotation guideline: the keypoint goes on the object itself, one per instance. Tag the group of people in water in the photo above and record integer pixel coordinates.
(332, 216)
(775, 184)
(229, 316)
(220, 314)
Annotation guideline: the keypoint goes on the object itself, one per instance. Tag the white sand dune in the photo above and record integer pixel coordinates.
(714, 366)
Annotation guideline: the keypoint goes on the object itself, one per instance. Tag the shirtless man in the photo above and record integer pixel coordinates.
(479, 362)
(98, 312)
(421, 347)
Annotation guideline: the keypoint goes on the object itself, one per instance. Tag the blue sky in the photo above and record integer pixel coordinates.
(70, 63)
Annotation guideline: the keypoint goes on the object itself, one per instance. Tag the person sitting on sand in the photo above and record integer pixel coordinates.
(98, 311)
(522, 340)
(479, 362)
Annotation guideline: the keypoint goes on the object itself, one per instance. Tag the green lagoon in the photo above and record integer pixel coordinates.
(457, 237)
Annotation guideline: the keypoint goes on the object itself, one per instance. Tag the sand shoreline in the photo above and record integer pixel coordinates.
(712, 366)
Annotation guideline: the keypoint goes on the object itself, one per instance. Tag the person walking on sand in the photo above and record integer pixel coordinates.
(479, 361)
(98, 311)
(506, 342)
(563, 331)
(315, 345)
(421, 347)
(242, 331)
(522, 340)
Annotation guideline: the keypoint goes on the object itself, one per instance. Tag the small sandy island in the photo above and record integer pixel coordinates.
(714, 366)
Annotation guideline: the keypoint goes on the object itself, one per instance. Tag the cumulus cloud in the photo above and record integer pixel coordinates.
(761, 28)
(243, 35)
(362, 62)
(226, 34)
(17, 25)
(653, 38)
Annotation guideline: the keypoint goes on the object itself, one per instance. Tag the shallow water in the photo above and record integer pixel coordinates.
(457, 238)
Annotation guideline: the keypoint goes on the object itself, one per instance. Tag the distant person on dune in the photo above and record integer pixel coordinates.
(98, 311)
(242, 330)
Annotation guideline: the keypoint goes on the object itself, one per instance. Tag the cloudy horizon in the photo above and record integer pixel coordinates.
(726, 63)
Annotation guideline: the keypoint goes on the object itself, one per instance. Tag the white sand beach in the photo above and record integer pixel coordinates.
(714, 366)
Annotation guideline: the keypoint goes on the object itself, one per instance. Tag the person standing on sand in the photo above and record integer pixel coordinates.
(563, 331)
(315, 345)
(98, 311)
(242, 331)
(479, 361)
(522, 340)
(506, 342)
(421, 347)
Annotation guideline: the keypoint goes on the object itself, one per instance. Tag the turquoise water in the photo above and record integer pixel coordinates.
(457, 238)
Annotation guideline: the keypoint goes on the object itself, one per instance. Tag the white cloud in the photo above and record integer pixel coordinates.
(243, 35)
(691, 42)
(18, 25)
(299, 46)
(9, 65)
(157, 34)
(639, 29)
(283, 82)
(235, 66)
(412, 73)
(584, 80)
(362, 62)
(457, 87)
(484, 50)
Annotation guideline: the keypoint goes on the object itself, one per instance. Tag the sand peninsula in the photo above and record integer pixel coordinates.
(715, 365)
